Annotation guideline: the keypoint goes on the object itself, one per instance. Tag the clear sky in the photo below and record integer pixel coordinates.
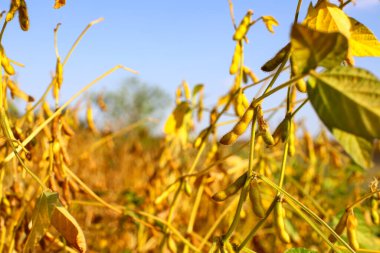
(166, 41)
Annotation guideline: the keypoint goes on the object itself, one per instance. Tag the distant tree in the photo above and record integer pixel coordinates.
(133, 101)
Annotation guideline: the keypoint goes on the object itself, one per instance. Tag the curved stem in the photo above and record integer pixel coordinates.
(2, 30)
(79, 39)
(357, 202)
(56, 40)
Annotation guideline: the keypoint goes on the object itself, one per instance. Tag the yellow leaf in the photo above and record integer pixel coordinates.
(169, 127)
(327, 17)
(363, 42)
(59, 3)
(69, 228)
(270, 22)
(41, 219)
(176, 119)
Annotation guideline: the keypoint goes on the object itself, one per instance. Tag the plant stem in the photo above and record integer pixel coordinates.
(312, 224)
(280, 87)
(244, 190)
(2, 30)
(358, 201)
(216, 223)
(194, 211)
(283, 165)
(306, 209)
(262, 80)
(299, 107)
(258, 225)
(305, 194)
(79, 39)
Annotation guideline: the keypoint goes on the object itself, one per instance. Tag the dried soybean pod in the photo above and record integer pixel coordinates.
(339, 228)
(165, 194)
(101, 103)
(236, 58)
(228, 247)
(279, 222)
(5, 62)
(248, 72)
(90, 119)
(239, 104)
(291, 141)
(243, 27)
(66, 129)
(255, 198)
(187, 187)
(23, 16)
(239, 128)
(214, 247)
(263, 127)
(351, 225)
(245, 100)
(301, 85)
(172, 246)
(46, 109)
(199, 140)
(231, 189)
(273, 63)
(15, 4)
(310, 147)
(200, 108)
(213, 115)
(229, 138)
(267, 137)
(374, 211)
(243, 123)
(66, 191)
(59, 72)
(282, 131)
(16, 92)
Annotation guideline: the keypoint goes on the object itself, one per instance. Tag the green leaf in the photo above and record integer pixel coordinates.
(177, 118)
(41, 218)
(311, 48)
(358, 148)
(327, 17)
(300, 250)
(347, 98)
(363, 42)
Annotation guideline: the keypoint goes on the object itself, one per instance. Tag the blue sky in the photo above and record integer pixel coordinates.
(166, 41)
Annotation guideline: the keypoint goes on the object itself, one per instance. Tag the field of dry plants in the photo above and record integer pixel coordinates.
(68, 186)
